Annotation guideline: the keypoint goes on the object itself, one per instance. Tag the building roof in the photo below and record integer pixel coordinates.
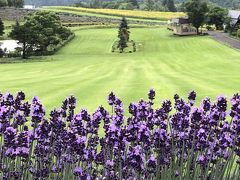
(234, 14)
(181, 20)
(29, 7)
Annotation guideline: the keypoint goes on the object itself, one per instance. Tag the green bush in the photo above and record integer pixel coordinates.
(13, 54)
(238, 33)
(1, 53)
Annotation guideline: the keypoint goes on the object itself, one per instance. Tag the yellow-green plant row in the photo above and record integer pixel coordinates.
(128, 13)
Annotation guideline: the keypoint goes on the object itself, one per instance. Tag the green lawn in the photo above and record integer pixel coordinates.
(87, 68)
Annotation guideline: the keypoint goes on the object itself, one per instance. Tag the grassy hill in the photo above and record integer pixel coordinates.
(87, 68)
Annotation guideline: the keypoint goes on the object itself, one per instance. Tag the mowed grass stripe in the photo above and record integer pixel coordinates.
(87, 68)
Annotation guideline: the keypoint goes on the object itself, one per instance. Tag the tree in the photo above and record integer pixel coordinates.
(16, 3)
(127, 6)
(196, 11)
(95, 4)
(1, 53)
(217, 16)
(48, 28)
(149, 5)
(134, 3)
(1, 27)
(25, 37)
(41, 32)
(123, 35)
(171, 6)
(3, 3)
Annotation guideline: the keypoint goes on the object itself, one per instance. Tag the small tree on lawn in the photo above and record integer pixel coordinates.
(122, 43)
(1, 27)
(197, 11)
(123, 35)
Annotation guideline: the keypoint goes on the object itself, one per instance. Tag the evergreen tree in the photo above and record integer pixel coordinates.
(122, 43)
(1, 27)
(123, 29)
(123, 35)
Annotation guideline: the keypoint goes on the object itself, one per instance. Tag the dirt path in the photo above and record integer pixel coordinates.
(225, 39)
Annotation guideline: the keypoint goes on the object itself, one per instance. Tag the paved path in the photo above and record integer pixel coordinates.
(225, 39)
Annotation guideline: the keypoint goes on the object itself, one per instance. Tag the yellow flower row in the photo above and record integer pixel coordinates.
(129, 13)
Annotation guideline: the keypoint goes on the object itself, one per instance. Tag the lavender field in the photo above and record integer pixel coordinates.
(176, 140)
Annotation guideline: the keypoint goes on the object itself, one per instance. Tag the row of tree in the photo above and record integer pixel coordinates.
(12, 3)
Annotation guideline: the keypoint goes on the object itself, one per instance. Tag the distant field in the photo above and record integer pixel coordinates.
(87, 68)
(153, 15)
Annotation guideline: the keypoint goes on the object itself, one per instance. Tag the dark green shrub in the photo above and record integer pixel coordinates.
(1, 53)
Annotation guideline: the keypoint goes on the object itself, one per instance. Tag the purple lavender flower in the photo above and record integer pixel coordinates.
(37, 111)
(111, 98)
(222, 103)
(203, 160)
(151, 164)
(135, 158)
(143, 147)
(166, 105)
(192, 96)
(206, 104)
(151, 94)
(80, 173)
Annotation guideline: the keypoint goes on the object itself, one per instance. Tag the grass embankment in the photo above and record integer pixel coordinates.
(149, 15)
(87, 68)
